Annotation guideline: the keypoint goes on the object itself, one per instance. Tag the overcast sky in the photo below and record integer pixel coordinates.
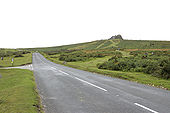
(38, 23)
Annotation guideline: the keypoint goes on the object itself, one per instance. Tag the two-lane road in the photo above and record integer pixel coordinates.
(68, 90)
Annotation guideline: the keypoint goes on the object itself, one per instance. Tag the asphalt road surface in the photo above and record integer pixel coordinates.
(68, 90)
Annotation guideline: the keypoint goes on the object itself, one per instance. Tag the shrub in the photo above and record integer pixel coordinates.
(78, 56)
(166, 71)
(102, 66)
(151, 68)
(158, 66)
(20, 55)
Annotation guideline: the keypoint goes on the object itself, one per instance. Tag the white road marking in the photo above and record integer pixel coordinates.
(63, 72)
(146, 108)
(53, 68)
(90, 84)
(42, 61)
(81, 79)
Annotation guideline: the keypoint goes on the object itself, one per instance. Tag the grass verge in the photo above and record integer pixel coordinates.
(132, 76)
(18, 92)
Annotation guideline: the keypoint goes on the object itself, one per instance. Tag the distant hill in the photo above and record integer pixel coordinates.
(110, 44)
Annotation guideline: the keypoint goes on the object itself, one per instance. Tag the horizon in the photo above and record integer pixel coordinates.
(79, 43)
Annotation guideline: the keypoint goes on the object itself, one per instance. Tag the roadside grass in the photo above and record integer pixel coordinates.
(18, 92)
(18, 61)
(90, 66)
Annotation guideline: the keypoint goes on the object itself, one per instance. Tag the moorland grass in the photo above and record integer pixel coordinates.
(144, 44)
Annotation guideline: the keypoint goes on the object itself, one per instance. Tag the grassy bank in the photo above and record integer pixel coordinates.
(18, 92)
(90, 65)
(18, 61)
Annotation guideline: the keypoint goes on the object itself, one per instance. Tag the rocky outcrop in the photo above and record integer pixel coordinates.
(116, 37)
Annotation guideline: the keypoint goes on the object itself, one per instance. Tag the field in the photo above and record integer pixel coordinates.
(20, 58)
(18, 92)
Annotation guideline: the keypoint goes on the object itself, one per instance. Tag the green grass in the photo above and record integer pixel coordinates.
(144, 44)
(105, 44)
(27, 59)
(95, 45)
(18, 92)
(90, 66)
(125, 53)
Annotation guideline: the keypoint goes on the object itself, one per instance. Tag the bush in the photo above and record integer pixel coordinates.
(78, 56)
(158, 66)
(166, 71)
(151, 68)
(20, 55)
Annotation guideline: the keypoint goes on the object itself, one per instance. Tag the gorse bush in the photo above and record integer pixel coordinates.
(83, 56)
(4, 53)
(166, 71)
(158, 66)
(150, 53)
(78, 56)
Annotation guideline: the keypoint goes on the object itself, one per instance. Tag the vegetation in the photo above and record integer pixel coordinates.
(156, 63)
(20, 58)
(18, 92)
(144, 44)
(12, 52)
(79, 56)
(108, 44)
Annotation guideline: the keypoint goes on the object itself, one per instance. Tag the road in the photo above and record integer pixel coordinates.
(68, 90)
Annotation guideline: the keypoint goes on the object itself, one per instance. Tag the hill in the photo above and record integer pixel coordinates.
(142, 61)
(110, 44)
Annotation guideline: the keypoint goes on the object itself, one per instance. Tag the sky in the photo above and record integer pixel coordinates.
(42, 23)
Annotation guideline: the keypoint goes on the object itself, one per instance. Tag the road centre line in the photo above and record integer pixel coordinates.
(90, 84)
(83, 81)
(63, 72)
(42, 61)
(146, 108)
(53, 68)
